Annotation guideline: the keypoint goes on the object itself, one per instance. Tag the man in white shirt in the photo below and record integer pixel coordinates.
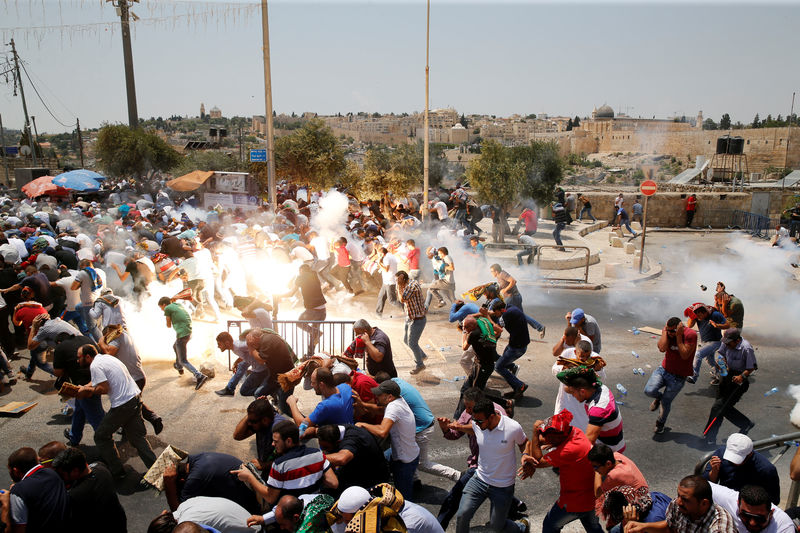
(752, 510)
(441, 210)
(109, 376)
(323, 264)
(387, 266)
(399, 425)
(357, 257)
(220, 513)
(497, 435)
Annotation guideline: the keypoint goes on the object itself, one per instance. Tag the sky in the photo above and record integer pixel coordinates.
(641, 57)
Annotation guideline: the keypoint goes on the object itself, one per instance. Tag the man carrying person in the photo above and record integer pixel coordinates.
(678, 343)
(180, 320)
(479, 334)
(255, 381)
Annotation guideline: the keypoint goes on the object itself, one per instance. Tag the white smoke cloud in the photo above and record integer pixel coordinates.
(329, 221)
(794, 416)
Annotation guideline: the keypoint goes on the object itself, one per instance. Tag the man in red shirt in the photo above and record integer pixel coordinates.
(569, 453)
(24, 315)
(412, 259)
(678, 343)
(691, 207)
(528, 216)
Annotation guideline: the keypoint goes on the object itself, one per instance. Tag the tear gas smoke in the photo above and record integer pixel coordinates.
(794, 416)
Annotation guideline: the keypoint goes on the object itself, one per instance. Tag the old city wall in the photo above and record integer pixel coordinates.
(763, 147)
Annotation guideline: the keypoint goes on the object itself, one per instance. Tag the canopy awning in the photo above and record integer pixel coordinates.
(190, 181)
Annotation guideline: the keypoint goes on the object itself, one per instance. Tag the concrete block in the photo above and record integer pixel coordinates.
(630, 247)
(616, 242)
(611, 235)
(618, 231)
(614, 271)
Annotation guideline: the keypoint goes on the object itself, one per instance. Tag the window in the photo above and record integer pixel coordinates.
(748, 141)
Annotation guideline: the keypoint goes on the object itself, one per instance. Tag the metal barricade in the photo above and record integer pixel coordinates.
(786, 442)
(756, 225)
(335, 335)
(557, 247)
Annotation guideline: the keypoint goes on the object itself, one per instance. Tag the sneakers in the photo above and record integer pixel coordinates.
(417, 370)
(516, 394)
(68, 436)
(656, 404)
(514, 368)
(541, 333)
(691, 379)
(224, 392)
(714, 381)
(659, 429)
(158, 425)
(178, 367)
(525, 524)
(200, 381)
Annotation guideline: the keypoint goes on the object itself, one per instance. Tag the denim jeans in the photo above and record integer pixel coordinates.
(672, 385)
(627, 224)
(588, 211)
(706, 352)
(76, 318)
(403, 475)
(387, 292)
(475, 492)
(558, 517)
(504, 364)
(413, 331)
(182, 358)
(530, 253)
(86, 410)
(442, 290)
(557, 233)
(254, 384)
(237, 376)
(314, 330)
(515, 300)
(90, 328)
(38, 360)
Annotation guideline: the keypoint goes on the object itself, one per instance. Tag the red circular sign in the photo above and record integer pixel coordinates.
(648, 187)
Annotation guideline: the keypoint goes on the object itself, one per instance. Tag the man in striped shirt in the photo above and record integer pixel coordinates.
(409, 293)
(605, 420)
(297, 470)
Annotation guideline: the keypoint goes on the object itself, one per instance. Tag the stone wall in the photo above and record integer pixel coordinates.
(763, 147)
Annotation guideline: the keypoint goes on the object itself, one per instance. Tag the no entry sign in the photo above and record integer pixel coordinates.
(648, 187)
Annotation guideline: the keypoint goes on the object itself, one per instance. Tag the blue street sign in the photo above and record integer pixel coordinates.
(258, 156)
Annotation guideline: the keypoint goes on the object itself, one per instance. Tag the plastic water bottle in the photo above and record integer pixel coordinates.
(771, 391)
(621, 389)
(723, 365)
(636, 355)
(636, 331)
(641, 371)
(458, 378)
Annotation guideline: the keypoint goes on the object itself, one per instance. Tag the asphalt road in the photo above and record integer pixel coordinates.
(204, 422)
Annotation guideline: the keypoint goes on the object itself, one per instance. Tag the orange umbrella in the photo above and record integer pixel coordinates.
(43, 186)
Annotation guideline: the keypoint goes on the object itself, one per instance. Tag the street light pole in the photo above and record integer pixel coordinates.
(127, 52)
(273, 193)
(426, 148)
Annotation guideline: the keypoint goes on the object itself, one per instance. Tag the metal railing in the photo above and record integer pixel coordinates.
(786, 442)
(756, 225)
(557, 247)
(334, 336)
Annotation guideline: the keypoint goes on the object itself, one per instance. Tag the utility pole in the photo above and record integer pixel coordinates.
(24, 104)
(788, 138)
(80, 140)
(426, 147)
(127, 53)
(3, 148)
(35, 133)
(241, 153)
(273, 193)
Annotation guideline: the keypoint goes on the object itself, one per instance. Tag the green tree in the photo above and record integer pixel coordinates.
(437, 163)
(24, 140)
(390, 170)
(756, 122)
(122, 151)
(543, 167)
(576, 122)
(569, 125)
(497, 178)
(310, 156)
(725, 122)
(463, 121)
(709, 124)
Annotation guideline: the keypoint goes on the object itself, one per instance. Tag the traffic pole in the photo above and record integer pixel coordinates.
(644, 233)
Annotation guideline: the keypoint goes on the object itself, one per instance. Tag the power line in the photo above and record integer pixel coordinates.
(42, 99)
(49, 90)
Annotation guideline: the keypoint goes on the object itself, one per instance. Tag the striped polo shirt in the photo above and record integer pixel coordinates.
(298, 471)
(604, 412)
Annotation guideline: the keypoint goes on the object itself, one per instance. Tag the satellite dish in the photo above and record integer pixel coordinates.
(25, 150)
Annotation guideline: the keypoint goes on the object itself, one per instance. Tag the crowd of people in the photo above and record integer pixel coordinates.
(73, 272)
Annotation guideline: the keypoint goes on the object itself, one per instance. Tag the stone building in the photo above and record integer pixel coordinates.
(215, 112)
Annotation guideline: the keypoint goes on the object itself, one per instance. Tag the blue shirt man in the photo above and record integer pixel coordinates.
(335, 409)
(460, 310)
